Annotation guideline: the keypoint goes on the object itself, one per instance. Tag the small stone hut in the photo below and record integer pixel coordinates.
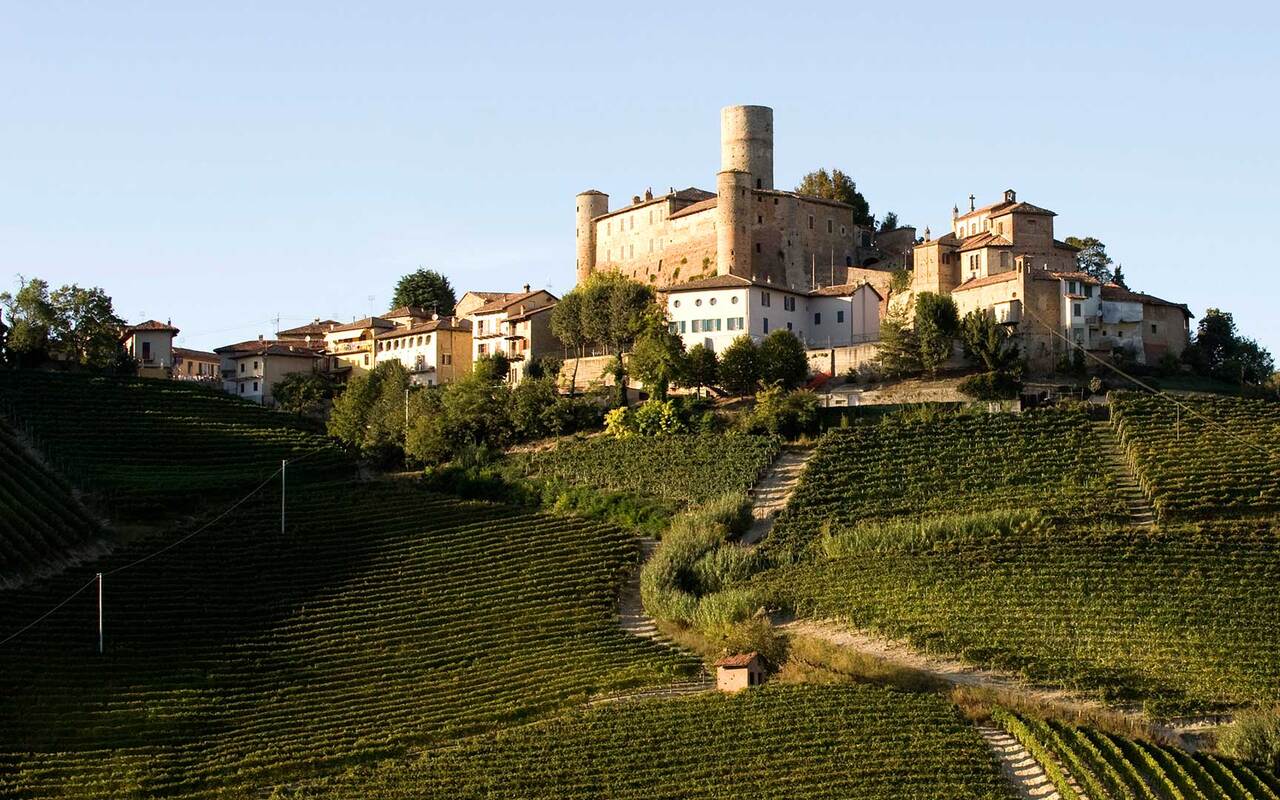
(737, 672)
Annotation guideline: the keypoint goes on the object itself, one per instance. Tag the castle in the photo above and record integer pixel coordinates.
(746, 228)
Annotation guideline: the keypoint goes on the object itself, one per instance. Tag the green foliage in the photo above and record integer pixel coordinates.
(608, 309)
(836, 185)
(782, 413)
(303, 393)
(989, 344)
(144, 446)
(473, 411)
(427, 289)
(782, 360)
(658, 418)
(913, 535)
(85, 327)
(369, 415)
(702, 367)
(1220, 352)
(740, 366)
(492, 367)
(1092, 258)
(899, 354)
(890, 221)
(1254, 736)
(936, 325)
(386, 621)
(990, 386)
(658, 359)
(799, 742)
(31, 318)
(900, 281)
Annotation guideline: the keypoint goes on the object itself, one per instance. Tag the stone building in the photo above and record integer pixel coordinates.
(515, 324)
(737, 672)
(746, 227)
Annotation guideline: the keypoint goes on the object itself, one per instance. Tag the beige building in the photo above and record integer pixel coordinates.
(150, 343)
(312, 334)
(250, 369)
(435, 352)
(352, 348)
(737, 672)
(518, 325)
(746, 227)
(196, 365)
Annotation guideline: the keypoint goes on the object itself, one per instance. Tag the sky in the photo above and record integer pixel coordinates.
(222, 164)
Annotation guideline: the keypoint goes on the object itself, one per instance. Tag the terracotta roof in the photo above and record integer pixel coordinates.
(507, 301)
(531, 312)
(692, 194)
(1083, 277)
(690, 210)
(948, 238)
(738, 660)
(408, 311)
(367, 322)
(1003, 207)
(987, 239)
(1116, 293)
(723, 282)
(444, 323)
(151, 325)
(195, 355)
(843, 290)
(272, 347)
(987, 280)
(316, 328)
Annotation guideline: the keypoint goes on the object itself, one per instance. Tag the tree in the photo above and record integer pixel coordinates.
(493, 367)
(988, 344)
(702, 368)
(890, 222)
(31, 318)
(658, 358)
(1117, 277)
(899, 351)
(566, 325)
(837, 186)
(613, 311)
(427, 289)
(302, 393)
(783, 361)
(470, 414)
(1220, 352)
(369, 416)
(529, 401)
(740, 366)
(1092, 257)
(85, 327)
(936, 324)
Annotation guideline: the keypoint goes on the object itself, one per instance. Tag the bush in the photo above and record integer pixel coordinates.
(1255, 737)
(783, 413)
(740, 366)
(782, 360)
(990, 386)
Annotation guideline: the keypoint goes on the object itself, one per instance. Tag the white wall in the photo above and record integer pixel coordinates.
(819, 321)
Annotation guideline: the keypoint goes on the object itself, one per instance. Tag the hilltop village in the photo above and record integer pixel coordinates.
(747, 258)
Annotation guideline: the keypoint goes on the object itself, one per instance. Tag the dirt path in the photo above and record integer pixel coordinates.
(1139, 504)
(1019, 766)
(770, 495)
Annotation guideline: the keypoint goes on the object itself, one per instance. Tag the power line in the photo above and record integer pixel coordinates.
(46, 614)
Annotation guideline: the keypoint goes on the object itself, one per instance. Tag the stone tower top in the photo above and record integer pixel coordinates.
(746, 143)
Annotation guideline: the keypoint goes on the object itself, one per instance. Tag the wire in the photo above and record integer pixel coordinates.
(46, 614)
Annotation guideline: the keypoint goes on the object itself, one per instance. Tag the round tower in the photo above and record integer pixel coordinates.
(590, 204)
(746, 142)
(733, 222)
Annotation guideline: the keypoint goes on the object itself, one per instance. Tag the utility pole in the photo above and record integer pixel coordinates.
(99, 613)
(283, 464)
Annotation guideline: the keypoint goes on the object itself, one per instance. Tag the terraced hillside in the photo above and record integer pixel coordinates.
(1220, 458)
(41, 524)
(144, 444)
(779, 741)
(1045, 460)
(383, 619)
(1108, 767)
(679, 470)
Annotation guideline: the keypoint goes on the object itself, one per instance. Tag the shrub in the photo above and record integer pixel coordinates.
(789, 414)
(740, 366)
(1255, 736)
(990, 386)
(657, 418)
(782, 360)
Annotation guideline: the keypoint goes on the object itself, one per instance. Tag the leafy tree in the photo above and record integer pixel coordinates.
(988, 343)
(31, 317)
(836, 185)
(302, 393)
(1117, 277)
(783, 360)
(473, 412)
(530, 399)
(890, 221)
(782, 412)
(702, 368)
(85, 327)
(613, 311)
(369, 416)
(899, 351)
(1092, 258)
(566, 325)
(1250, 363)
(425, 288)
(658, 359)
(740, 366)
(492, 367)
(936, 324)
(1214, 342)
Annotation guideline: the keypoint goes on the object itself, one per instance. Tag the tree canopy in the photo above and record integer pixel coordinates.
(78, 324)
(607, 309)
(427, 289)
(740, 366)
(1221, 352)
(937, 322)
(1092, 258)
(836, 185)
(783, 361)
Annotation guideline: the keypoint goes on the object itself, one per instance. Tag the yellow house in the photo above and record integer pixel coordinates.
(151, 345)
(435, 352)
(351, 346)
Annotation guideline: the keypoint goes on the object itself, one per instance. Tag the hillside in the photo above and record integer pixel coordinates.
(143, 446)
(41, 523)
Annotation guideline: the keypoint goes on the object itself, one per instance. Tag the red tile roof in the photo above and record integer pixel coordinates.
(367, 322)
(1116, 293)
(738, 660)
(151, 325)
(317, 328)
(987, 280)
(690, 210)
(986, 239)
(843, 290)
(506, 301)
(272, 347)
(194, 355)
(442, 324)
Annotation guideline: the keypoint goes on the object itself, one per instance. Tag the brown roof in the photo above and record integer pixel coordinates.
(987, 239)
(506, 301)
(409, 311)
(367, 322)
(690, 210)
(317, 328)
(531, 312)
(722, 282)
(1003, 207)
(271, 347)
(986, 280)
(692, 194)
(150, 325)
(737, 660)
(844, 289)
(442, 324)
(195, 355)
(1116, 293)
(1083, 277)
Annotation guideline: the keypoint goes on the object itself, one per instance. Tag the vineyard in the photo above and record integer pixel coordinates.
(1184, 616)
(385, 618)
(40, 523)
(1046, 460)
(1193, 468)
(681, 470)
(780, 741)
(141, 445)
(1109, 767)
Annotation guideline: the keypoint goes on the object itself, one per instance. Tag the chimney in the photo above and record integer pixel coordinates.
(648, 193)
(259, 337)
(635, 199)
(1010, 196)
(526, 288)
(926, 234)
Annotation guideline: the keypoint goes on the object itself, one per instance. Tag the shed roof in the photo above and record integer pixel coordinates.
(738, 660)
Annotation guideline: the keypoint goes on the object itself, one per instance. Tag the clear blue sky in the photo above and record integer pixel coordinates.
(221, 163)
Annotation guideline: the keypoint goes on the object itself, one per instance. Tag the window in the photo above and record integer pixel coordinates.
(255, 366)
(698, 302)
(447, 359)
(1088, 290)
(675, 303)
(734, 299)
(242, 387)
(810, 222)
(757, 247)
(241, 367)
(480, 325)
(766, 324)
(759, 185)
(482, 349)
(764, 299)
(366, 359)
(146, 351)
(830, 226)
(682, 326)
(1153, 327)
(255, 386)
(1005, 258)
(712, 301)
(839, 316)
(842, 230)
(1075, 310)
(817, 318)
(788, 326)
(788, 304)
(759, 219)
(733, 324)
(673, 327)
(707, 323)
(697, 326)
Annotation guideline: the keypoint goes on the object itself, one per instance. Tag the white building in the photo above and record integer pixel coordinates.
(435, 352)
(151, 345)
(513, 324)
(250, 369)
(714, 311)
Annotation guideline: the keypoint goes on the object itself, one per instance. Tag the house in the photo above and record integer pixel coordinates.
(517, 325)
(714, 311)
(437, 351)
(472, 300)
(249, 369)
(737, 672)
(150, 343)
(196, 365)
(311, 334)
(351, 346)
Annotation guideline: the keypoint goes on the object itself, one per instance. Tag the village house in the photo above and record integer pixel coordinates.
(311, 334)
(250, 369)
(352, 348)
(436, 352)
(196, 365)
(714, 311)
(737, 672)
(517, 325)
(150, 343)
